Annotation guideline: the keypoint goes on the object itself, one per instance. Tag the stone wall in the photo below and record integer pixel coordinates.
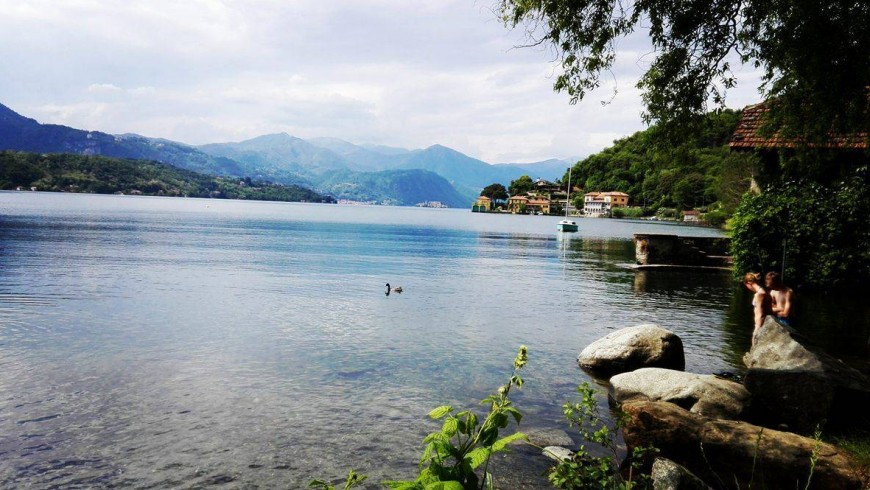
(658, 249)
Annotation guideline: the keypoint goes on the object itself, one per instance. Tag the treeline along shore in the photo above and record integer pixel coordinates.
(61, 172)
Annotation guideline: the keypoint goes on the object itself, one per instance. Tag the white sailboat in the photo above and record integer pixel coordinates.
(567, 225)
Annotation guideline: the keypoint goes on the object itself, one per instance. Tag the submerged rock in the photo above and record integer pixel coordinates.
(732, 454)
(633, 348)
(548, 437)
(558, 453)
(796, 384)
(701, 394)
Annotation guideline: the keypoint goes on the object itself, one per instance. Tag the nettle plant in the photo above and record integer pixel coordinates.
(586, 470)
(453, 455)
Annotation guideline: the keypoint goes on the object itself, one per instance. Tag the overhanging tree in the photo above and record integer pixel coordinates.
(815, 62)
(813, 54)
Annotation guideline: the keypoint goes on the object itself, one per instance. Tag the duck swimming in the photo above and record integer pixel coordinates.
(397, 289)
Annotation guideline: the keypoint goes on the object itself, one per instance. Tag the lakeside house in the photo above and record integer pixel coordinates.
(846, 150)
(692, 216)
(539, 205)
(518, 204)
(599, 204)
(483, 204)
(544, 198)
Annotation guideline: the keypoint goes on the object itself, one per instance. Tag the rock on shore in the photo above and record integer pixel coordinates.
(798, 385)
(701, 394)
(633, 348)
(734, 454)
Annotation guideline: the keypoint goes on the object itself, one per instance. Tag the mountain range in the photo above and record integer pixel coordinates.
(330, 165)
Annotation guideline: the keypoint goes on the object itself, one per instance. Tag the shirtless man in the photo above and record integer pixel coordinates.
(781, 297)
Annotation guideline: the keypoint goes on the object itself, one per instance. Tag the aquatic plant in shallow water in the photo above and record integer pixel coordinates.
(583, 469)
(452, 455)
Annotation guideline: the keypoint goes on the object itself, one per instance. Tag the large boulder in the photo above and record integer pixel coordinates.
(796, 384)
(732, 454)
(633, 348)
(701, 394)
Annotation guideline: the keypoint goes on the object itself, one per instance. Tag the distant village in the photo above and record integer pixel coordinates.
(548, 198)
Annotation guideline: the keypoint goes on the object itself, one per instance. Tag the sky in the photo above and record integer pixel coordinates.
(405, 73)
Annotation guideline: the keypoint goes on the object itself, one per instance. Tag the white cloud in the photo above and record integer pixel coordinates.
(377, 71)
(103, 88)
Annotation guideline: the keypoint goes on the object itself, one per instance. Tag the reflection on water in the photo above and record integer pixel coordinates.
(183, 342)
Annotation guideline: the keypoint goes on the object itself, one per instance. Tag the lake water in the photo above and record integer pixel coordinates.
(161, 342)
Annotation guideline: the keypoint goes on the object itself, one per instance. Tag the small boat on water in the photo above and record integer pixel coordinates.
(567, 225)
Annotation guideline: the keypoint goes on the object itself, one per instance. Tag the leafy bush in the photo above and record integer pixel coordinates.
(585, 470)
(818, 234)
(668, 213)
(628, 212)
(353, 479)
(716, 218)
(453, 454)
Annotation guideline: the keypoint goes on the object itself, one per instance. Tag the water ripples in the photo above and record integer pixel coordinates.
(159, 343)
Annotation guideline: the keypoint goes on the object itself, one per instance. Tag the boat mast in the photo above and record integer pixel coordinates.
(568, 195)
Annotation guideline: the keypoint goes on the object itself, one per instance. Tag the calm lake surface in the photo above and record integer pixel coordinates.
(161, 342)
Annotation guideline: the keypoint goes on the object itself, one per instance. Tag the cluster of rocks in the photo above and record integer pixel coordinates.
(715, 432)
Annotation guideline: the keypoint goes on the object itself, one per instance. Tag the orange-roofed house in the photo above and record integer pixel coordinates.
(518, 204)
(481, 205)
(539, 205)
(599, 204)
(846, 148)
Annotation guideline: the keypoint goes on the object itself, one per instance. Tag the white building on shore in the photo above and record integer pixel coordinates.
(600, 203)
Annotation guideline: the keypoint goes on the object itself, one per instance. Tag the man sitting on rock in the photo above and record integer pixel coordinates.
(781, 297)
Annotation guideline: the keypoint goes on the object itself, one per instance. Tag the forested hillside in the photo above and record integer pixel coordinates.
(103, 175)
(397, 187)
(702, 172)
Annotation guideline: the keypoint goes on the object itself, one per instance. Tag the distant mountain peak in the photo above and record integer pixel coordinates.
(274, 138)
(10, 117)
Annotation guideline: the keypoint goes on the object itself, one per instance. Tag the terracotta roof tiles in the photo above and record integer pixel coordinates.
(746, 136)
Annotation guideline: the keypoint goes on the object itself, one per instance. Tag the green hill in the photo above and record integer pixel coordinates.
(401, 187)
(64, 172)
(700, 172)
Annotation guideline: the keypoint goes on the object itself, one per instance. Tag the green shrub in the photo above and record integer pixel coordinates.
(716, 218)
(818, 234)
(627, 212)
(668, 213)
(585, 470)
(453, 454)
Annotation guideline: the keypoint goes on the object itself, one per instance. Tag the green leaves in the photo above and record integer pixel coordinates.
(441, 411)
(818, 232)
(521, 358)
(813, 55)
(500, 444)
(451, 456)
(584, 470)
(353, 478)
(451, 425)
